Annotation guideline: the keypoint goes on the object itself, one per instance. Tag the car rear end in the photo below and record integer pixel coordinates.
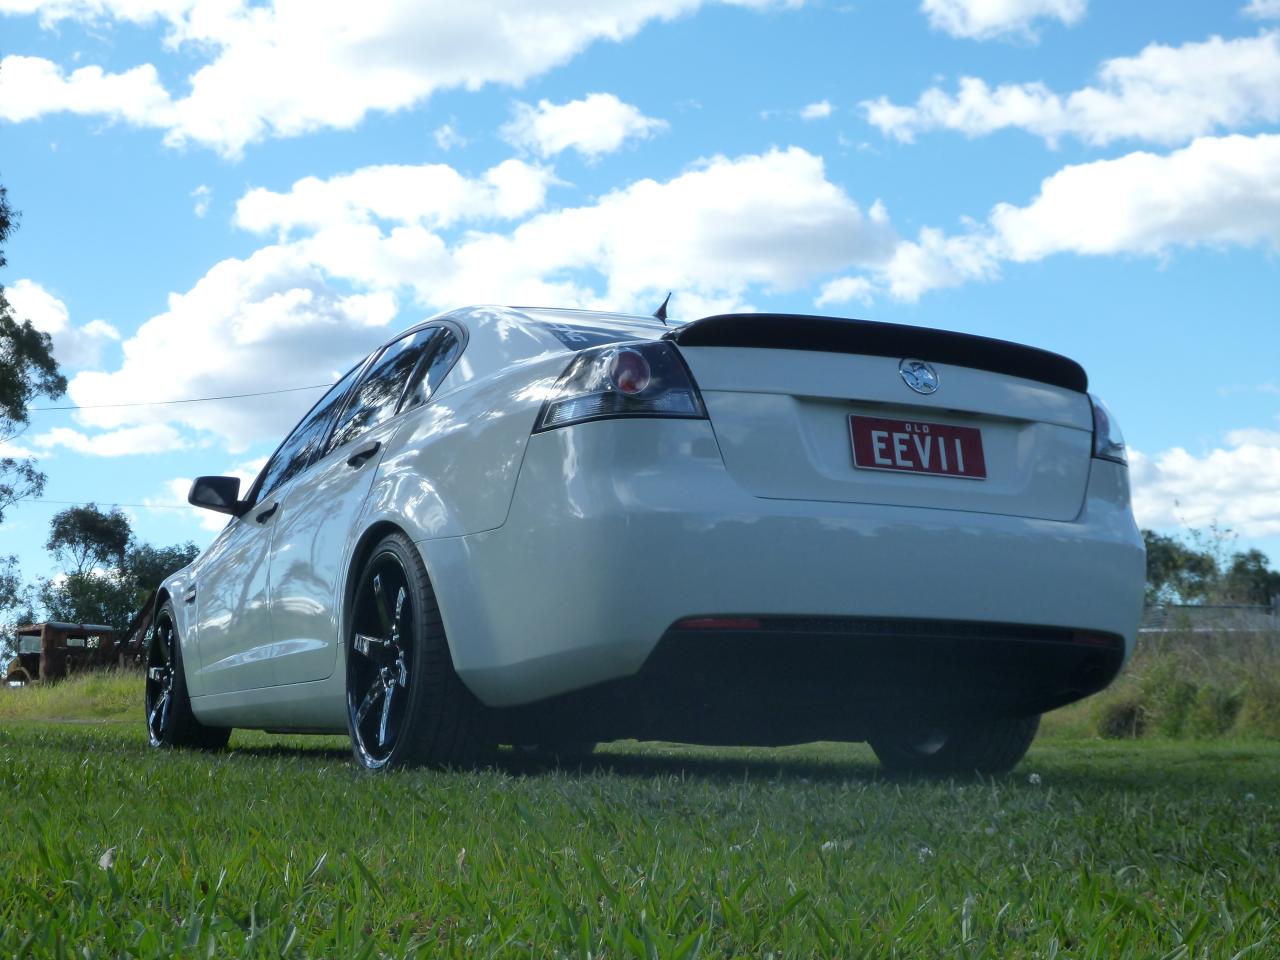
(773, 529)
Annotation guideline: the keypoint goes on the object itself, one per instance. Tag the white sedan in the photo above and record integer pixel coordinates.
(550, 528)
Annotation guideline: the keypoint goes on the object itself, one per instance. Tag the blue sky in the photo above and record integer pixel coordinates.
(221, 197)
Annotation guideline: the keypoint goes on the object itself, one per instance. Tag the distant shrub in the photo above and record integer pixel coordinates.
(1214, 711)
(1122, 720)
(1166, 695)
(1260, 712)
(1187, 684)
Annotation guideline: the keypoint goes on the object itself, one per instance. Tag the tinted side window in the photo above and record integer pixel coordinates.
(295, 453)
(374, 400)
(444, 351)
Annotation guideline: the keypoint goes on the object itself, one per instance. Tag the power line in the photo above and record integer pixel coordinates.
(163, 403)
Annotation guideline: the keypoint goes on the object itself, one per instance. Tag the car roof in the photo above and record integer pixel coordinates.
(645, 326)
(499, 336)
(572, 314)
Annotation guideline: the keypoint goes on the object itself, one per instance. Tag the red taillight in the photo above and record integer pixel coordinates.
(630, 372)
(637, 379)
(719, 623)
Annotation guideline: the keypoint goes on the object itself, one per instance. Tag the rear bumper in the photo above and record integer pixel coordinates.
(618, 530)
(800, 679)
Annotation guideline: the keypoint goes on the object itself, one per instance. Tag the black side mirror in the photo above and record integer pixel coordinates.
(220, 494)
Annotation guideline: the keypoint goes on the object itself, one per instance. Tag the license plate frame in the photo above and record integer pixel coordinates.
(920, 447)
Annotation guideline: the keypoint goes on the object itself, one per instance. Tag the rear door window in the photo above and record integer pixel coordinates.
(434, 368)
(296, 452)
(377, 397)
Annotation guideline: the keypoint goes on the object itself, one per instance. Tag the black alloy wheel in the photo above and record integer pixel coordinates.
(160, 674)
(406, 705)
(167, 705)
(380, 665)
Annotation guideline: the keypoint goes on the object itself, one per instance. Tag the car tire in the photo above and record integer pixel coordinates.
(984, 746)
(167, 705)
(566, 754)
(406, 706)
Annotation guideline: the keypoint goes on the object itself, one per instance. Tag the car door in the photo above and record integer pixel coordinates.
(316, 531)
(232, 589)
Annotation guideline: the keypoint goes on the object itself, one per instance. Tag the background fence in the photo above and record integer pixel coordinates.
(1212, 618)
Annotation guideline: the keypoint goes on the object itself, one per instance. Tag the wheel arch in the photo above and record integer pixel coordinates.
(163, 596)
(360, 553)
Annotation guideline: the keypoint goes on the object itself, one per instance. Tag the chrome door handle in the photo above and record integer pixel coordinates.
(363, 452)
(268, 513)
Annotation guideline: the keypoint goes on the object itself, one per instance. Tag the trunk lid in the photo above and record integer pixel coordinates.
(782, 414)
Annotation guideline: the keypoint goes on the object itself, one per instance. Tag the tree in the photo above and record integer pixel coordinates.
(107, 575)
(1177, 573)
(27, 369)
(16, 605)
(10, 583)
(83, 538)
(1250, 579)
(1203, 572)
(90, 597)
(145, 567)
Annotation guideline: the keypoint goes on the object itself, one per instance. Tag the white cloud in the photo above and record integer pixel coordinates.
(283, 316)
(270, 321)
(770, 220)
(816, 111)
(176, 490)
(1164, 94)
(73, 347)
(130, 11)
(1263, 9)
(598, 124)
(16, 451)
(433, 195)
(984, 19)
(716, 234)
(286, 68)
(1255, 436)
(31, 301)
(150, 438)
(1233, 486)
(203, 196)
(31, 87)
(846, 290)
(447, 137)
(935, 260)
(1216, 191)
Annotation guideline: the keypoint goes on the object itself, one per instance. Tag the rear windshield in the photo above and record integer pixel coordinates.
(579, 336)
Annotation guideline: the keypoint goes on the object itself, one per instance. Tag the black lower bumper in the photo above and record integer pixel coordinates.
(778, 680)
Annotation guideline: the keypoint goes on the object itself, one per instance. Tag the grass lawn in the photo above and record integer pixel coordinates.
(1143, 848)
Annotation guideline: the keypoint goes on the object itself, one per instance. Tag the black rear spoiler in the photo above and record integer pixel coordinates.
(784, 331)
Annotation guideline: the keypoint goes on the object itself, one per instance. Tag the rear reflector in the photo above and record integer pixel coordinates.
(1086, 638)
(719, 623)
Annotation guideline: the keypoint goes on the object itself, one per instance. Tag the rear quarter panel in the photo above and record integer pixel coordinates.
(451, 467)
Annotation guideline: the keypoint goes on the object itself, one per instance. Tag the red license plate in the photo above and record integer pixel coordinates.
(917, 446)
